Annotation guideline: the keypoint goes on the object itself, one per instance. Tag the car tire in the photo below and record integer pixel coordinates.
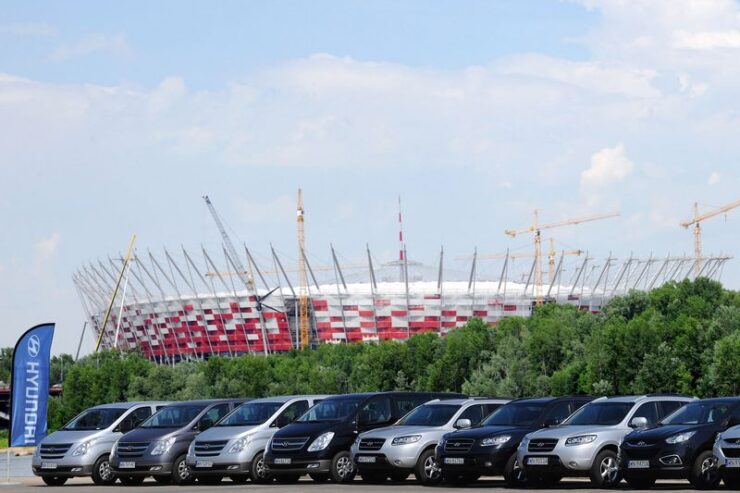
(514, 474)
(704, 474)
(102, 474)
(131, 480)
(288, 478)
(162, 479)
(54, 480)
(604, 472)
(239, 478)
(427, 470)
(319, 477)
(641, 483)
(257, 470)
(373, 477)
(181, 472)
(342, 468)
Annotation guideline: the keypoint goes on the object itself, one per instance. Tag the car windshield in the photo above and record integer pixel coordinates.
(518, 414)
(332, 410)
(430, 415)
(698, 413)
(254, 413)
(600, 413)
(174, 416)
(95, 419)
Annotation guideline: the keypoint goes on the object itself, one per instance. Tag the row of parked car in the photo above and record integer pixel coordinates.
(435, 436)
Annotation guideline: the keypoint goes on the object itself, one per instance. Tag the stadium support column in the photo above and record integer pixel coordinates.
(209, 285)
(337, 277)
(234, 294)
(293, 343)
(263, 328)
(148, 295)
(660, 271)
(622, 271)
(373, 289)
(440, 286)
(556, 275)
(643, 271)
(529, 278)
(296, 339)
(503, 273)
(408, 300)
(579, 275)
(308, 296)
(595, 286)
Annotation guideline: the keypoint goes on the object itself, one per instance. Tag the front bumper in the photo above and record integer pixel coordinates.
(664, 461)
(143, 466)
(566, 460)
(490, 462)
(218, 465)
(64, 468)
(728, 458)
(299, 466)
(388, 457)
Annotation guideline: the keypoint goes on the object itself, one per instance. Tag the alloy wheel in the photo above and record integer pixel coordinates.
(709, 469)
(609, 470)
(518, 472)
(183, 470)
(431, 468)
(105, 471)
(344, 467)
(259, 468)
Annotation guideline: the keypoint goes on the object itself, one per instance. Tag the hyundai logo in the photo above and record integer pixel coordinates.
(285, 444)
(34, 345)
(456, 444)
(641, 443)
(541, 444)
(206, 446)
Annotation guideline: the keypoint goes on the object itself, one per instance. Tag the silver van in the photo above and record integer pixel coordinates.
(235, 445)
(82, 447)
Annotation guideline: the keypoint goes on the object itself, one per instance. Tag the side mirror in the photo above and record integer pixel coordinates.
(463, 423)
(204, 424)
(639, 422)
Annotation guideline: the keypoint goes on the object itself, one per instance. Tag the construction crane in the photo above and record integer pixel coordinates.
(302, 276)
(536, 229)
(243, 274)
(696, 221)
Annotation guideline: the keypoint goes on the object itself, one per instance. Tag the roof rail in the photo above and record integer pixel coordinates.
(668, 394)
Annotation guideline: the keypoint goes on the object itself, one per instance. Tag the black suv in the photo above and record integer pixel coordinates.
(679, 446)
(319, 442)
(490, 448)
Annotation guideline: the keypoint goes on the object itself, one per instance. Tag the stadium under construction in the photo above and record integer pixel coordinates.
(190, 305)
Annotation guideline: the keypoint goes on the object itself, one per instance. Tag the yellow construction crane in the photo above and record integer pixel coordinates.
(696, 221)
(551, 256)
(536, 229)
(302, 276)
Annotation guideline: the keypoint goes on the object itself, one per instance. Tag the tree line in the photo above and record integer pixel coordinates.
(682, 337)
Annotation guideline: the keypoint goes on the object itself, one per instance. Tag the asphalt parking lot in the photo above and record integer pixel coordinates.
(28, 484)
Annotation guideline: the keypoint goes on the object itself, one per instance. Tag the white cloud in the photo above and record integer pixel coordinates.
(714, 178)
(30, 29)
(707, 40)
(45, 249)
(94, 44)
(608, 166)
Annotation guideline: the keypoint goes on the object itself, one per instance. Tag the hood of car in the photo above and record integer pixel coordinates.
(488, 431)
(397, 431)
(73, 436)
(660, 432)
(148, 434)
(309, 429)
(571, 431)
(225, 432)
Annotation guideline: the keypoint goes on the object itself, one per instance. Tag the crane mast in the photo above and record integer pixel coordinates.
(303, 276)
(696, 221)
(235, 258)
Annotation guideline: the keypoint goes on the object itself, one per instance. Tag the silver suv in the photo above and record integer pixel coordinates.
(408, 446)
(587, 443)
(82, 447)
(235, 445)
(727, 452)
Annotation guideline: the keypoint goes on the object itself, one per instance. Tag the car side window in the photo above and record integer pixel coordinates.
(293, 411)
(405, 404)
(559, 412)
(159, 408)
(377, 411)
(474, 413)
(489, 408)
(216, 413)
(649, 411)
(139, 415)
(668, 407)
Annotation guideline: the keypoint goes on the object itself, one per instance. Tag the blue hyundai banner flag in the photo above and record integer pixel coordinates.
(29, 386)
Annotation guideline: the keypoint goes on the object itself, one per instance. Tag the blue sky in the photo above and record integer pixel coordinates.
(116, 117)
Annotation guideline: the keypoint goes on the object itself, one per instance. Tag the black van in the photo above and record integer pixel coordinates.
(318, 443)
(490, 448)
(159, 446)
(679, 446)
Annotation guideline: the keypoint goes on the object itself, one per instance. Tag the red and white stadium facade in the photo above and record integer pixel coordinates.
(174, 309)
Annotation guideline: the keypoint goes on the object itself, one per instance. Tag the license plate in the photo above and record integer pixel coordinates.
(283, 460)
(732, 463)
(638, 464)
(366, 459)
(48, 465)
(537, 461)
(454, 460)
(204, 463)
(126, 465)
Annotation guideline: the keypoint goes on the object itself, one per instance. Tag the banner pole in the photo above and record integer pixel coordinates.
(8, 476)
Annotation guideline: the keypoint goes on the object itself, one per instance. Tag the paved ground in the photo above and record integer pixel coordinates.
(26, 484)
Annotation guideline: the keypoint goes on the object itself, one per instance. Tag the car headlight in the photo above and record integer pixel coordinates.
(321, 442)
(405, 440)
(239, 445)
(83, 448)
(580, 440)
(681, 437)
(161, 447)
(495, 441)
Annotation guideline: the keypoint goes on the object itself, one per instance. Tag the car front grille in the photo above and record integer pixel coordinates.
(209, 449)
(54, 450)
(371, 443)
(127, 450)
(459, 445)
(542, 445)
(733, 453)
(288, 444)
